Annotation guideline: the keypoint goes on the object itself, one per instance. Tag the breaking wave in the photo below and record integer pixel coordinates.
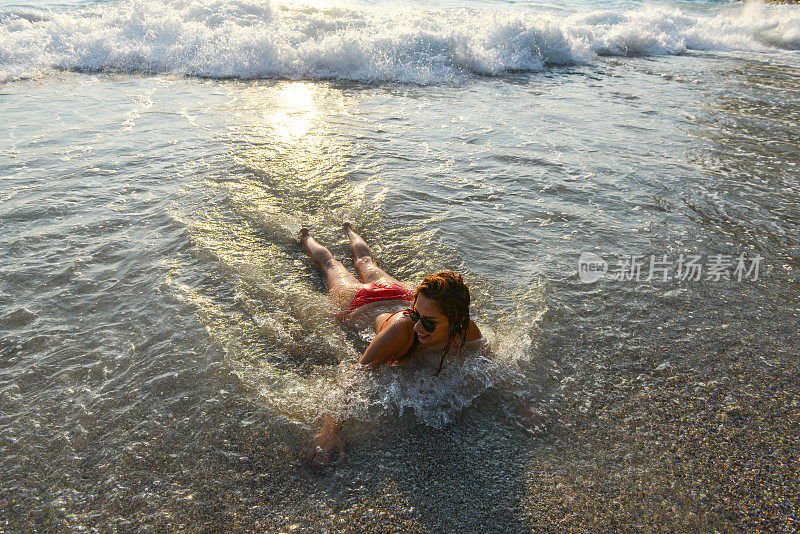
(250, 39)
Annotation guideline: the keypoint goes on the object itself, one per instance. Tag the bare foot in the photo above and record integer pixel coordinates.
(347, 225)
(303, 235)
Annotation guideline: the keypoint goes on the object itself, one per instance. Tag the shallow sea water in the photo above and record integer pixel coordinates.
(167, 350)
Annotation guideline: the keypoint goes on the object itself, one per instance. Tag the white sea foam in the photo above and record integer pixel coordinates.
(253, 39)
(434, 400)
(492, 363)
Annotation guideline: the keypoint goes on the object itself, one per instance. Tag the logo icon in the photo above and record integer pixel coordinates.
(591, 267)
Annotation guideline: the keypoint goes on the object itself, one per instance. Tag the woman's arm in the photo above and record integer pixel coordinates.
(394, 339)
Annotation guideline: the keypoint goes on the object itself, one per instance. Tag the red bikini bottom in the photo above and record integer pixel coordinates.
(376, 292)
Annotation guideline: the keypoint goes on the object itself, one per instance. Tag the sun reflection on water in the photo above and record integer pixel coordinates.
(281, 128)
(296, 115)
(296, 160)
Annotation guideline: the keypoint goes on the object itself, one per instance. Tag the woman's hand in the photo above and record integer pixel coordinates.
(532, 422)
(325, 443)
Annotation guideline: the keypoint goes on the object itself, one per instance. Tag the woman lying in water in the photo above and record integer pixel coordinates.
(436, 322)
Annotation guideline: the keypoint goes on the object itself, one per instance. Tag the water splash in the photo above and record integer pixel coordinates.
(371, 395)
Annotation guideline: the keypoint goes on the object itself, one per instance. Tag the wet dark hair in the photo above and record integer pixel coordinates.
(452, 296)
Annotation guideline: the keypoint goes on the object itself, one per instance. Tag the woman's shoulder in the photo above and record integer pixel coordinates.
(473, 333)
(392, 320)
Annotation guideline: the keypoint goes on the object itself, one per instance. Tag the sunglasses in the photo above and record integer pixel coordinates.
(427, 324)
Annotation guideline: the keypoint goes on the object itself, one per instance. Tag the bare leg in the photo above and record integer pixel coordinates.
(336, 274)
(362, 258)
